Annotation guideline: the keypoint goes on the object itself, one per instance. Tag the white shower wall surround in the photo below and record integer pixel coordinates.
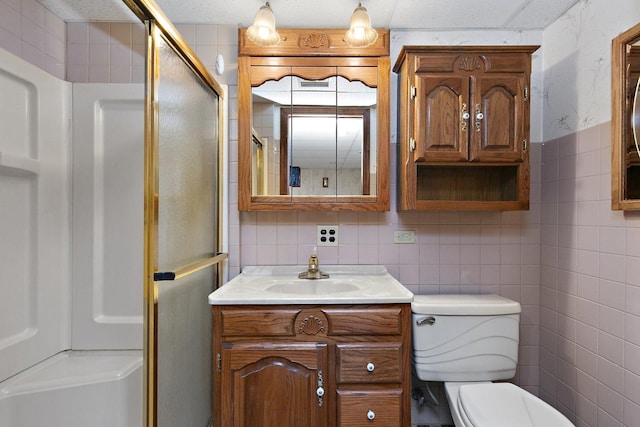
(64, 200)
(108, 223)
(35, 189)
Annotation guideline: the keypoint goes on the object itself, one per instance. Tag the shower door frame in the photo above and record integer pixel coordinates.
(158, 25)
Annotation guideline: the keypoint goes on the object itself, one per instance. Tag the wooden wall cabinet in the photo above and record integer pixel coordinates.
(464, 127)
(316, 366)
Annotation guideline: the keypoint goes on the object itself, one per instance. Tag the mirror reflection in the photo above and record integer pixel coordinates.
(313, 133)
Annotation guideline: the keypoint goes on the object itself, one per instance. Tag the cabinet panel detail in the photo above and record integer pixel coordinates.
(369, 363)
(258, 323)
(369, 408)
(370, 321)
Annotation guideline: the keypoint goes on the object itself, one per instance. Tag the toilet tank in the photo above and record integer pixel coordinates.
(464, 337)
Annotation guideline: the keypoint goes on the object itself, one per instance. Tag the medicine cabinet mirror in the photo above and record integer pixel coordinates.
(625, 121)
(313, 123)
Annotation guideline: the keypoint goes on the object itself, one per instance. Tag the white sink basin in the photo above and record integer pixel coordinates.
(369, 284)
(316, 287)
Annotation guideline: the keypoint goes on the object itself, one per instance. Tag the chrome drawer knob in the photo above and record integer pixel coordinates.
(371, 415)
(370, 367)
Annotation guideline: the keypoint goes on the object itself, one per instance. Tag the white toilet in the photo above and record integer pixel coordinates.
(467, 341)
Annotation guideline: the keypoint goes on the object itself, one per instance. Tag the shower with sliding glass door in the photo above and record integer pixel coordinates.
(111, 227)
(183, 225)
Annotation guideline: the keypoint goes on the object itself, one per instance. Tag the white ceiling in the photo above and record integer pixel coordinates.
(395, 14)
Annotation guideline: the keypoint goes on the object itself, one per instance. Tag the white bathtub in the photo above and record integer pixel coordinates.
(76, 389)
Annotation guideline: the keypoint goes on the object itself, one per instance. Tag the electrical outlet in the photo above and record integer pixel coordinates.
(404, 236)
(327, 235)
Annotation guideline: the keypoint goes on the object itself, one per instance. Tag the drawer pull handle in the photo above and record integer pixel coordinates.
(371, 415)
(370, 367)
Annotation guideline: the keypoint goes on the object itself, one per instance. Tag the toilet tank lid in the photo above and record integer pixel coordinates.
(460, 305)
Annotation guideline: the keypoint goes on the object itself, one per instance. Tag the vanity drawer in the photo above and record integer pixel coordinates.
(369, 363)
(364, 321)
(258, 322)
(369, 408)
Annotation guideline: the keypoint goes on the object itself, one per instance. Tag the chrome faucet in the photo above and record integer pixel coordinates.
(313, 272)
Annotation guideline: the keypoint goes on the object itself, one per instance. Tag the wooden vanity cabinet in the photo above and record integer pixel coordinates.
(291, 366)
(464, 127)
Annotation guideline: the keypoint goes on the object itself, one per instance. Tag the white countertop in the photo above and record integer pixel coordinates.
(347, 284)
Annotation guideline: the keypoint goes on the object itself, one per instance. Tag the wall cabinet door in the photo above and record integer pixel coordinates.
(274, 384)
(441, 118)
(459, 118)
(498, 118)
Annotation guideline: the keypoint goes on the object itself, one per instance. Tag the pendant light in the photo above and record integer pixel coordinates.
(360, 33)
(263, 31)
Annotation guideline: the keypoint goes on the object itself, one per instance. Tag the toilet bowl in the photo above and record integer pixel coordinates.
(468, 341)
(499, 405)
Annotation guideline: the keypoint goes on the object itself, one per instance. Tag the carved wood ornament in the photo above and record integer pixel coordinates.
(470, 63)
(311, 326)
(314, 40)
(311, 323)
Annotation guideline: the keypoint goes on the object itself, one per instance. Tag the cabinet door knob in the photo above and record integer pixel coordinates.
(371, 415)
(370, 367)
(320, 391)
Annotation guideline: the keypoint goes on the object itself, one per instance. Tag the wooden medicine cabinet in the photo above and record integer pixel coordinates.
(625, 121)
(313, 123)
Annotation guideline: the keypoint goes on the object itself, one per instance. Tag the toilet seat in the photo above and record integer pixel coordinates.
(500, 405)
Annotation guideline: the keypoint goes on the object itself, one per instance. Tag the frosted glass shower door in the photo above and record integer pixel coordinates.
(183, 173)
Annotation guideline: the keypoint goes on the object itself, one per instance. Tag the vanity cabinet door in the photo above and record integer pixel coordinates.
(274, 384)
